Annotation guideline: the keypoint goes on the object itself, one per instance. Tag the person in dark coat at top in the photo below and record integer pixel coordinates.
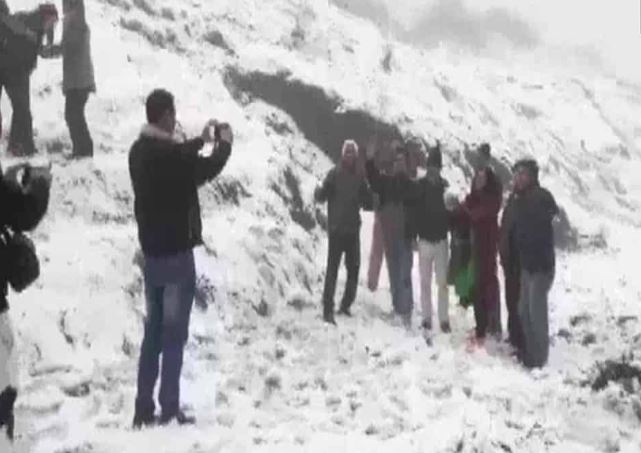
(346, 192)
(18, 59)
(165, 174)
(481, 207)
(534, 212)
(426, 196)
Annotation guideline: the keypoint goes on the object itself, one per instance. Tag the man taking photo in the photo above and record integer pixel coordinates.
(166, 173)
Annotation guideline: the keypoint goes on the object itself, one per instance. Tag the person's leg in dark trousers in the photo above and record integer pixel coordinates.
(334, 256)
(75, 102)
(480, 316)
(406, 294)
(177, 302)
(148, 365)
(512, 290)
(352, 265)
(21, 135)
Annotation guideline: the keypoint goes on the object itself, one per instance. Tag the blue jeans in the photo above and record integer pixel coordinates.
(398, 255)
(170, 284)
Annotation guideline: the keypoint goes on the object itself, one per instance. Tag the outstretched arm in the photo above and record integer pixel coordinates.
(325, 190)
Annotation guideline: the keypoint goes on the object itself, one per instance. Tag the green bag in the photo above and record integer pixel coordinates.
(465, 284)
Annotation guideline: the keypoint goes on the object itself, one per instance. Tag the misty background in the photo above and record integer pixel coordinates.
(596, 34)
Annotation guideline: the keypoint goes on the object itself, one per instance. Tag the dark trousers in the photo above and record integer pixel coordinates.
(170, 285)
(75, 101)
(533, 311)
(339, 244)
(512, 275)
(7, 401)
(480, 316)
(18, 88)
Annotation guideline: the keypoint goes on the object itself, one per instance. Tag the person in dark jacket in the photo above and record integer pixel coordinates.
(77, 75)
(398, 234)
(534, 211)
(165, 175)
(23, 203)
(427, 196)
(482, 207)
(24, 33)
(346, 192)
(509, 258)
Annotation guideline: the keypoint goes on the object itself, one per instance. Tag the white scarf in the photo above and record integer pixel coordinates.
(153, 131)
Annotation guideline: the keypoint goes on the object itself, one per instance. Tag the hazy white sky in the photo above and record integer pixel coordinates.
(611, 27)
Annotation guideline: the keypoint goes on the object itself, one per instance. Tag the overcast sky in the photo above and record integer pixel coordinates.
(610, 29)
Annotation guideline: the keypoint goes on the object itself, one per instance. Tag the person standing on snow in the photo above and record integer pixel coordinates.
(427, 197)
(346, 192)
(165, 174)
(77, 74)
(21, 41)
(534, 211)
(397, 233)
(509, 258)
(481, 208)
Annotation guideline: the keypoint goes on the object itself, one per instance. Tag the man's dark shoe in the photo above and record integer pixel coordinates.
(445, 327)
(345, 311)
(143, 420)
(7, 401)
(180, 417)
(426, 324)
(329, 318)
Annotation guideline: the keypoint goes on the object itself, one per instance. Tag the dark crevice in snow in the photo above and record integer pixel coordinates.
(621, 371)
(316, 113)
(216, 39)
(294, 200)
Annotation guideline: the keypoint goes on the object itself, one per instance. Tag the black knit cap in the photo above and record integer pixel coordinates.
(435, 158)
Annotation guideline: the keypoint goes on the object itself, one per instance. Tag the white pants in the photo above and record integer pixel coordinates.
(434, 256)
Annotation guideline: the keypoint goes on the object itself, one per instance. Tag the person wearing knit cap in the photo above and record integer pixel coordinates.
(427, 194)
(534, 211)
(346, 192)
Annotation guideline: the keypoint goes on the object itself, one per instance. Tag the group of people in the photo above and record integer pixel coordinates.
(458, 241)
(27, 35)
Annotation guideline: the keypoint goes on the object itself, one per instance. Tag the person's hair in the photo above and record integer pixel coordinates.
(530, 166)
(158, 103)
(492, 183)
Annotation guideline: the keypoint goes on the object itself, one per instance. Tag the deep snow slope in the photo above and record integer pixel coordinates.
(262, 373)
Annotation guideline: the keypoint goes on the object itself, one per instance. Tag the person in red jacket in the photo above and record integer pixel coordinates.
(482, 208)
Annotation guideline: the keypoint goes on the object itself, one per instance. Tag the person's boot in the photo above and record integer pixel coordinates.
(445, 327)
(143, 417)
(7, 401)
(344, 310)
(426, 324)
(328, 317)
(180, 417)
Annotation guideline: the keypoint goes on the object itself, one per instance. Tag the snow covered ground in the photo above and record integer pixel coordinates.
(262, 373)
